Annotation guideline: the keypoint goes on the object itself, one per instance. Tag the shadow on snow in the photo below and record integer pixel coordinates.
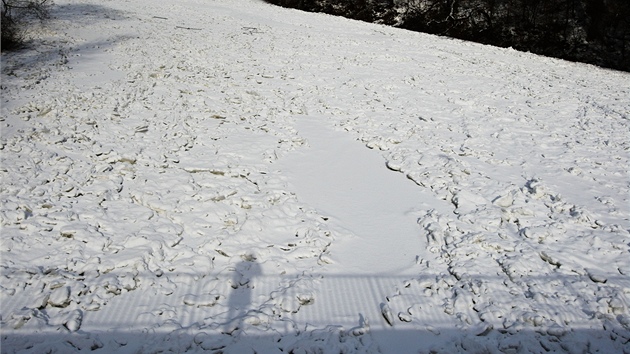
(240, 316)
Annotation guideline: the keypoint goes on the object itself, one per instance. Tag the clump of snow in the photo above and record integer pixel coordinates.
(238, 177)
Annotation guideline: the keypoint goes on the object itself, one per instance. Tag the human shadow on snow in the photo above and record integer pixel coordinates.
(241, 296)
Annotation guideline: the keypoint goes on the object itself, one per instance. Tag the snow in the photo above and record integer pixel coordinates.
(234, 176)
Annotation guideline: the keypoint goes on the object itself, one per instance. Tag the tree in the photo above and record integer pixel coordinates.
(14, 15)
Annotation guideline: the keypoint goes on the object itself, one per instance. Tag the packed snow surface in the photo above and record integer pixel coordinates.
(231, 176)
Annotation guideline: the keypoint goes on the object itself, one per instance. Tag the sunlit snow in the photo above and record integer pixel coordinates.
(231, 176)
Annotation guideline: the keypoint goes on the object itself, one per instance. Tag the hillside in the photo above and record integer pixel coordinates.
(588, 31)
(232, 176)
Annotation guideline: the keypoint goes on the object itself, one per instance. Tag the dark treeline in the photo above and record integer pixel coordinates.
(590, 31)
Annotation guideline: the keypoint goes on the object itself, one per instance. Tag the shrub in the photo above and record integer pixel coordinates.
(14, 14)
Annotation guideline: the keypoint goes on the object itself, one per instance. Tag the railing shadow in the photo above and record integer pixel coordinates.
(328, 340)
(241, 310)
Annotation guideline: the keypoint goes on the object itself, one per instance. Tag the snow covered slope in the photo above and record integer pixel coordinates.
(230, 176)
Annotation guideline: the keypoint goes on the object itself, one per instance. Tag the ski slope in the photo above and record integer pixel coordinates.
(230, 176)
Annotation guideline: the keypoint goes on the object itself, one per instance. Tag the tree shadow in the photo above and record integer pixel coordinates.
(86, 13)
(40, 49)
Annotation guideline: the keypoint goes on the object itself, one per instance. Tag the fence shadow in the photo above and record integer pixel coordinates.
(242, 310)
(328, 340)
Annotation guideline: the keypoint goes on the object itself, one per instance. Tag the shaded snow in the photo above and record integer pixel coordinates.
(230, 175)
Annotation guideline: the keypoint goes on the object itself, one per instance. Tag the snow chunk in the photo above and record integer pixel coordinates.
(206, 300)
(60, 297)
(73, 320)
